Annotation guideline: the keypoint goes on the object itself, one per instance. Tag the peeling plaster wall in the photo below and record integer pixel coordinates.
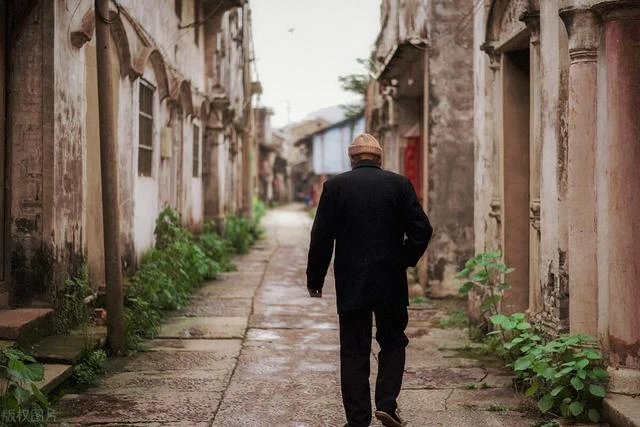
(450, 169)
(177, 45)
(30, 149)
(52, 140)
(554, 70)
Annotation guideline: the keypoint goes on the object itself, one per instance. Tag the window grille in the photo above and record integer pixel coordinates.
(196, 151)
(145, 132)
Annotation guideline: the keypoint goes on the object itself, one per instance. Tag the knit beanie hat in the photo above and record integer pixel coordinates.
(365, 143)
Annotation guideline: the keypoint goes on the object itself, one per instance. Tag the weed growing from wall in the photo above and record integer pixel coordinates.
(72, 309)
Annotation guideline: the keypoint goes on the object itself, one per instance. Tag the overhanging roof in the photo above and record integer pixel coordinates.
(403, 53)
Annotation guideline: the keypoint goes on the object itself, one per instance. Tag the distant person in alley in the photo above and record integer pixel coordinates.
(379, 229)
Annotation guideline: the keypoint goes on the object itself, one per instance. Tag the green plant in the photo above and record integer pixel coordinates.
(240, 232)
(179, 263)
(90, 368)
(566, 375)
(72, 309)
(418, 299)
(546, 423)
(20, 372)
(259, 209)
(168, 229)
(496, 407)
(484, 274)
(455, 319)
(216, 248)
(514, 333)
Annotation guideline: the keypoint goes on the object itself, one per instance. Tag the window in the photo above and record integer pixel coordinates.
(196, 21)
(196, 151)
(178, 8)
(145, 131)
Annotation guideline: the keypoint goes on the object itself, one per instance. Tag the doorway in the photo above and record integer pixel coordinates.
(516, 85)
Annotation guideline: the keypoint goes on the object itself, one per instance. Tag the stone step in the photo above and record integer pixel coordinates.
(54, 375)
(67, 349)
(26, 325)
(621, 410)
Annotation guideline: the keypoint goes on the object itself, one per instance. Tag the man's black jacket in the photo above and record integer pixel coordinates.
(379, 229)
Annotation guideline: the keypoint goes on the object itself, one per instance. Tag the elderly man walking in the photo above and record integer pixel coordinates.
(379, 229)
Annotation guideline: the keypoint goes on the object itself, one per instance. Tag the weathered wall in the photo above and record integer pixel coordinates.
(450, 107)
(53, 140)
(30, 154)
(580, 132)
(428, 93)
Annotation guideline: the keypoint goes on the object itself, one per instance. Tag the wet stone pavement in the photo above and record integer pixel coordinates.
(253, 349)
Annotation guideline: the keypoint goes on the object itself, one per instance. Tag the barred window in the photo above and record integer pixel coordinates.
(145, 131)
(196, 151)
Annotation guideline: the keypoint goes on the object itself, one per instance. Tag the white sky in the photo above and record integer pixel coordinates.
(302, 67)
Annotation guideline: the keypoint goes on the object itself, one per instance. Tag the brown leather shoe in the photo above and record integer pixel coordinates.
(389, 420)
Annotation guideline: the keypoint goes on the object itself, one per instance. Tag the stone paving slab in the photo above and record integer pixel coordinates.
(288, 400)
(161, 406)
(67, 349)
(204, 327)
(210, 380)
(294, 321)
(415, 405)
(227, 290)
(211, 355)
(441, 377)
(485, 399)
(202, 306)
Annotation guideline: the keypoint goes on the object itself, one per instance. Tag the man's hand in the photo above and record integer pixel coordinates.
(315, 294)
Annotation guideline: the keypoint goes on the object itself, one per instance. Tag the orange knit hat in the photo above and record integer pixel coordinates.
(365, 143)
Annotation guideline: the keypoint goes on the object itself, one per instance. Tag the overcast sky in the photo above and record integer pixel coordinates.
(302, 46)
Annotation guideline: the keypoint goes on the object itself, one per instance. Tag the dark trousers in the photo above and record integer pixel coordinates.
(355, 351)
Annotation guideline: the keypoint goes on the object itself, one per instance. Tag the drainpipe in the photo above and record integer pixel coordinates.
(109, 179)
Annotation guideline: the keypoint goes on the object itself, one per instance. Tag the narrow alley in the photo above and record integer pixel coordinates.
(253, 349)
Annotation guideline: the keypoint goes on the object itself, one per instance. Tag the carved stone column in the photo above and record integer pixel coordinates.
(493, 237)
(532, 19)
(583, 27)
(622, 61)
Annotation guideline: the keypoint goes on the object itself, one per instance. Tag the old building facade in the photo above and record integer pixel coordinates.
(420, 106)
(556, 88)
(182, 99)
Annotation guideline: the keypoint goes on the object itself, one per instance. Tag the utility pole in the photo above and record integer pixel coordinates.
(109, 179)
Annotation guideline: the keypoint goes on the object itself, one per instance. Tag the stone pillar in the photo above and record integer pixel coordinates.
(532, 19)
(583, 27)
(622, 61)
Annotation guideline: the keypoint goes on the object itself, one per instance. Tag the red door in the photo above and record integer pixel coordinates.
(412, 169)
